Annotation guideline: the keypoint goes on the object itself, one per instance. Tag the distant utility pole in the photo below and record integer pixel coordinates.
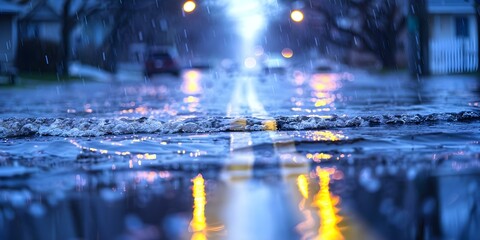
(417, 23)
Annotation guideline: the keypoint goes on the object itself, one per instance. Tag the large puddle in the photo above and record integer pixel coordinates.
(332, 156)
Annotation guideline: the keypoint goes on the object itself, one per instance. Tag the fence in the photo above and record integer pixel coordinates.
(453, 56)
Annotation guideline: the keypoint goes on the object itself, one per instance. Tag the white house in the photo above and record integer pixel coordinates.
(40, 21)
(8, 33)
(453, 38)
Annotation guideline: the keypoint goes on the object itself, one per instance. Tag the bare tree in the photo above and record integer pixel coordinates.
(164, 23)
(131, 17)
(73, 12)
(365, 25)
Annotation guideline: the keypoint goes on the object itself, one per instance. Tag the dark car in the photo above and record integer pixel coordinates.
(275, 65)
(161, 62)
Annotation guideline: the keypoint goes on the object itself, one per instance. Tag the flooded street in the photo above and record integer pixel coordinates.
(212, 155)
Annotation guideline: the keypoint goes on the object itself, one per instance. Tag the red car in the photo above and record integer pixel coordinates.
(161, 62)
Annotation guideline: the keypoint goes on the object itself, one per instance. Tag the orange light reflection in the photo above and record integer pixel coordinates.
(307, 227)
(302, 183)
(198, 225)
(325, 82)
(199, 222)
(323, 86)
(191, 82)
(327, 207)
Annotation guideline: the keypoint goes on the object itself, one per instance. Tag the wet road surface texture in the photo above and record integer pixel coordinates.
(211, 155)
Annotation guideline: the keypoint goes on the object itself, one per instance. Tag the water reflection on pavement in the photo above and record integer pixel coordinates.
(346, 155)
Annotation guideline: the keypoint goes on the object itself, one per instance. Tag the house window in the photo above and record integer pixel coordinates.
(462, 28)
(32, 30)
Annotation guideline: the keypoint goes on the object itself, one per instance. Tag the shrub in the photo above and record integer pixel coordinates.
(35, 55)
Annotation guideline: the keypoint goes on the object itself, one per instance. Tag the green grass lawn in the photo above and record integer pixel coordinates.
(46, 77)
(33, 78)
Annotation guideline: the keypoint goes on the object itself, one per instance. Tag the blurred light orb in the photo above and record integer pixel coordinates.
(259, 51)
(189, 6)
(250, 62)
(287, 53)
(296, 15)
(192, 75)
(191, 82)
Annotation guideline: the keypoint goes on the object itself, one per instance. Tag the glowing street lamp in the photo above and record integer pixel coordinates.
(287, 53)
(296, 15)
(189, 6)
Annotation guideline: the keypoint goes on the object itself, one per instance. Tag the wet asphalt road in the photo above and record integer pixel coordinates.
(214, 155)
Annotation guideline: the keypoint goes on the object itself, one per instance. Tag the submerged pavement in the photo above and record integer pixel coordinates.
(213, 155)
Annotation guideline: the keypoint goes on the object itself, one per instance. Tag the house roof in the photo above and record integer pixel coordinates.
(10, 8)
(451, 6)
(41, 11)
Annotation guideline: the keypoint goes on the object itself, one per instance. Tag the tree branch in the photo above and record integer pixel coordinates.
(346, 31)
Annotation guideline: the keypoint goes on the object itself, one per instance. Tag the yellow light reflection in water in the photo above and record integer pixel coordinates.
(191, 82)
(324, 82)
(302, 183)
(238, 124)
(307, 227)
(152, 176)
(199, 236)
(323, 86)
(326, 136)
(191, 99)
(147, 156)
(327, 211)
(198, 224)
(318, 157)
(323, 102)
(270, 125)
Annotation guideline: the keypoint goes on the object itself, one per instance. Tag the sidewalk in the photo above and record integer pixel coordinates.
(126, 72)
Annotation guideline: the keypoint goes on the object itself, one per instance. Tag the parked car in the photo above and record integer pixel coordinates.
(161, 61)
(200, 64)
(275, 65)
(323, 65)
